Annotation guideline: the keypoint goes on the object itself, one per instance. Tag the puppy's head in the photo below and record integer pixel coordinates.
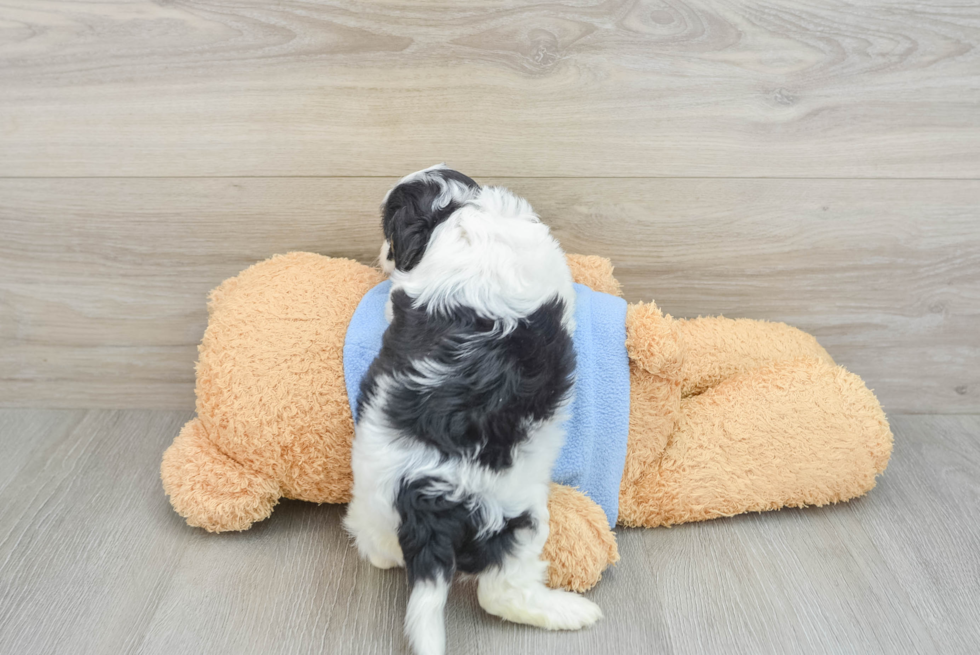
(414, 208)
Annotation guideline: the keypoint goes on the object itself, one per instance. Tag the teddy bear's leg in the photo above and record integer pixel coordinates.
(716, 348)
(211, 490)
(792, 433)
(580, 545)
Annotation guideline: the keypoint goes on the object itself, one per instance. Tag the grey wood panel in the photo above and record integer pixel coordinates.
(93, 560)
(619, 88)
(103, 282)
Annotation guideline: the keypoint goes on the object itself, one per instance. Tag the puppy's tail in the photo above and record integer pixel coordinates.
(432, 526)
(425, 623)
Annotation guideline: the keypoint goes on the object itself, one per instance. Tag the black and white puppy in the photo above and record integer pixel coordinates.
(460, 415)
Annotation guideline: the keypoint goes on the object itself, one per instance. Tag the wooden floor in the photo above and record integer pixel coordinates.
(94, 560)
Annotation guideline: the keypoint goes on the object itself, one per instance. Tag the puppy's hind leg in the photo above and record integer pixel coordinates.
(516, 589)
(373, 529)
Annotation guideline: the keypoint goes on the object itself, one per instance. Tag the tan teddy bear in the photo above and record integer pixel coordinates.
(725, 416)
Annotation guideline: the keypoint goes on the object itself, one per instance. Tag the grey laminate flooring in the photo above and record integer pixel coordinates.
(93, 560)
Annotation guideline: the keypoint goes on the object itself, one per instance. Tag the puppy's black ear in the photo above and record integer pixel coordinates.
(415, 208)
(408, 222)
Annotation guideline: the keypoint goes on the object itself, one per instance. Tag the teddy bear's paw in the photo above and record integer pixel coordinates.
(580, 544)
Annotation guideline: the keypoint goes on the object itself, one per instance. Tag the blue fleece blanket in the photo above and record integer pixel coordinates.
(594, 453)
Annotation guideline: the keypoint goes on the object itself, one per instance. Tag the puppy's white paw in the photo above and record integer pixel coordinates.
(569, 611)
(383, 562)
(539, 606)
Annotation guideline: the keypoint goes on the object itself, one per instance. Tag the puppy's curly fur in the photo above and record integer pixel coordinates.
(459, 419)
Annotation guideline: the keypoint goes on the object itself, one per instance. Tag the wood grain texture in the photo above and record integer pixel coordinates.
(103, 283)
(780, 88)
(93, 560)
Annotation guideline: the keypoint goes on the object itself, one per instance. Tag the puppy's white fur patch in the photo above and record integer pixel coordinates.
(495, 256)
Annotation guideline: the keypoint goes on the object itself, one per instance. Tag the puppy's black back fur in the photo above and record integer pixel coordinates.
(495, 387)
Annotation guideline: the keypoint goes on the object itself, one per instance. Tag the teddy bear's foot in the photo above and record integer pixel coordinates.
(793, 433)
(211, 490)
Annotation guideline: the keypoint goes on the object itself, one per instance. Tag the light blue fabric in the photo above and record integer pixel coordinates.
(363, 341)
(594, 453)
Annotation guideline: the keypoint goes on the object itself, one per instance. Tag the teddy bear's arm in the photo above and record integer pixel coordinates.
(580, 544)
(594, 272)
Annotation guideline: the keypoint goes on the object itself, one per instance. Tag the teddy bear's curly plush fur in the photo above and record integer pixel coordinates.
(726, 416)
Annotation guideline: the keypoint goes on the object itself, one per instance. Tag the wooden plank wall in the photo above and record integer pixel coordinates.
(816, 163)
